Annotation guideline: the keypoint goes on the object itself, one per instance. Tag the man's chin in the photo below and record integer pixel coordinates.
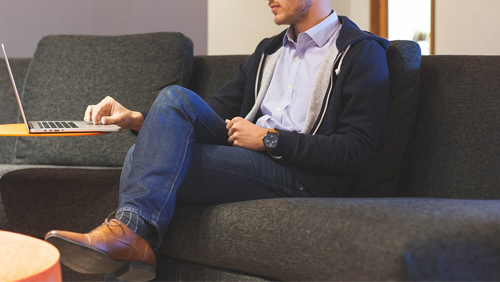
(279, 21)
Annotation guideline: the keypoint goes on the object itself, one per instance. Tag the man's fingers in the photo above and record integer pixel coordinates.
(110, 119)
(229, 124)
(88, 113)
(96, 114)
(101, 112)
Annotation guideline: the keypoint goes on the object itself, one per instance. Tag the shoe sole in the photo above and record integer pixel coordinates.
(84, 259)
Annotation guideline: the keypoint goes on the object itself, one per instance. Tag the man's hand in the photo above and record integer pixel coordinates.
(109, 111)
(245, 134)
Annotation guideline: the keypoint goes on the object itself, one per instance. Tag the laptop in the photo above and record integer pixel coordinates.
(56, 126)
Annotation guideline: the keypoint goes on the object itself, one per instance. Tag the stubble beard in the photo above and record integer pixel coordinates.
(297, 16)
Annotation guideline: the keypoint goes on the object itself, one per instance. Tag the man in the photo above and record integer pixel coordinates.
(302, 118)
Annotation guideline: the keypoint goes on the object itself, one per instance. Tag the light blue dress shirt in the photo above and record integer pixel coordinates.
(287, 99)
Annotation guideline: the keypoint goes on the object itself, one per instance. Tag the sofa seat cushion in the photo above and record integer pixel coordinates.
(341, 239)
(69, 72)
(169, 269)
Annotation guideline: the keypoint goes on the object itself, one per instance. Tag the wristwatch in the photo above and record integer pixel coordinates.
(271, 140)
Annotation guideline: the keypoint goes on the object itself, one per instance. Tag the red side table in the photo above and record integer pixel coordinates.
(25, 258)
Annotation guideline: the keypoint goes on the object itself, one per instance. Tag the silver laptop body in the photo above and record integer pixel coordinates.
(56, 126)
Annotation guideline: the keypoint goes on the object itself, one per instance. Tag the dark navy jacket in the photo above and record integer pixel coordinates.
(342, 144)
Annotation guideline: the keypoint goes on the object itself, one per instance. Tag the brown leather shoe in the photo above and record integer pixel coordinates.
(110, 248)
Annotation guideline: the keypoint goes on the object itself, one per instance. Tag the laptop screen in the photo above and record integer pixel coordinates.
(15, 88)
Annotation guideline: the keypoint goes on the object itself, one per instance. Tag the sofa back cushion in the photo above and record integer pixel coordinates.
(69, 72)
(403, 58)
(211, 72)
(454, 151)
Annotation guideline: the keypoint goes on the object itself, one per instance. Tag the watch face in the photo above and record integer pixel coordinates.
(270, 140)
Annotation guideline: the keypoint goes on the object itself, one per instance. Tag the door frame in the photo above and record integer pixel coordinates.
(379, 20)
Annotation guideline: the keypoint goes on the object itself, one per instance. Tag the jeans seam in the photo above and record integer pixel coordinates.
(172, 187)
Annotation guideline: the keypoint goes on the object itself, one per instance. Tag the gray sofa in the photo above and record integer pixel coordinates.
(427, 209)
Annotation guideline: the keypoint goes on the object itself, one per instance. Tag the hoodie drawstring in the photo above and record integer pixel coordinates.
(337, 71)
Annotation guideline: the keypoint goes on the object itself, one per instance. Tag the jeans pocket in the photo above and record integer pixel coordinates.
(299, 190)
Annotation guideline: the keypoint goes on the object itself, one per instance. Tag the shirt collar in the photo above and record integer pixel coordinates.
(319, 33)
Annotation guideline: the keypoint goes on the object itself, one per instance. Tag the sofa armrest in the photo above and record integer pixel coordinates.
(37, 198)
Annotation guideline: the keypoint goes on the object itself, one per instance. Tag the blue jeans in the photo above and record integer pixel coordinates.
(182, 155)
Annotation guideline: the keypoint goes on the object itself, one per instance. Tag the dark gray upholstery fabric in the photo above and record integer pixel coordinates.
(72, 276)
(338, 239)
(211, 72)
(449, 260)
(3, 216)
(9, 113)
(170, 269)
(38, 200)
(454, 151)
(403, 58)
(70, 72)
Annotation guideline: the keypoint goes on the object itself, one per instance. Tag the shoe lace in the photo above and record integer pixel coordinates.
(110, 217)
(108, 221)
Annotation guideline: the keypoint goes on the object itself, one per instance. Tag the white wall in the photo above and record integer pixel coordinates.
(236, 27)
(356, 10)
(462, 26)
(24, 22)
(467, 27)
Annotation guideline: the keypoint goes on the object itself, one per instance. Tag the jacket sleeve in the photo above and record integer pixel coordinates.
(348, 136)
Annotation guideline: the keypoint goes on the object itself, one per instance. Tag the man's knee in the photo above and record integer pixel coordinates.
(178, 97)
(174, 93)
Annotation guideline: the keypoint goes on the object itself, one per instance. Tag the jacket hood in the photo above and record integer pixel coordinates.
(349, 34)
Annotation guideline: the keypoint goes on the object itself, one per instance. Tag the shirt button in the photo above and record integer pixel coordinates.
(278, 109)
(263, 123)
(289, 87)
(297, 58)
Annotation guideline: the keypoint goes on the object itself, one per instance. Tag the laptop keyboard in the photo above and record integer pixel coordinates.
(56, 124)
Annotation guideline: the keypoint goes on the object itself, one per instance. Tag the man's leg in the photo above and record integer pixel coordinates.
(155, 168)
(195, 144)
(157, 164)
(221, 174)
